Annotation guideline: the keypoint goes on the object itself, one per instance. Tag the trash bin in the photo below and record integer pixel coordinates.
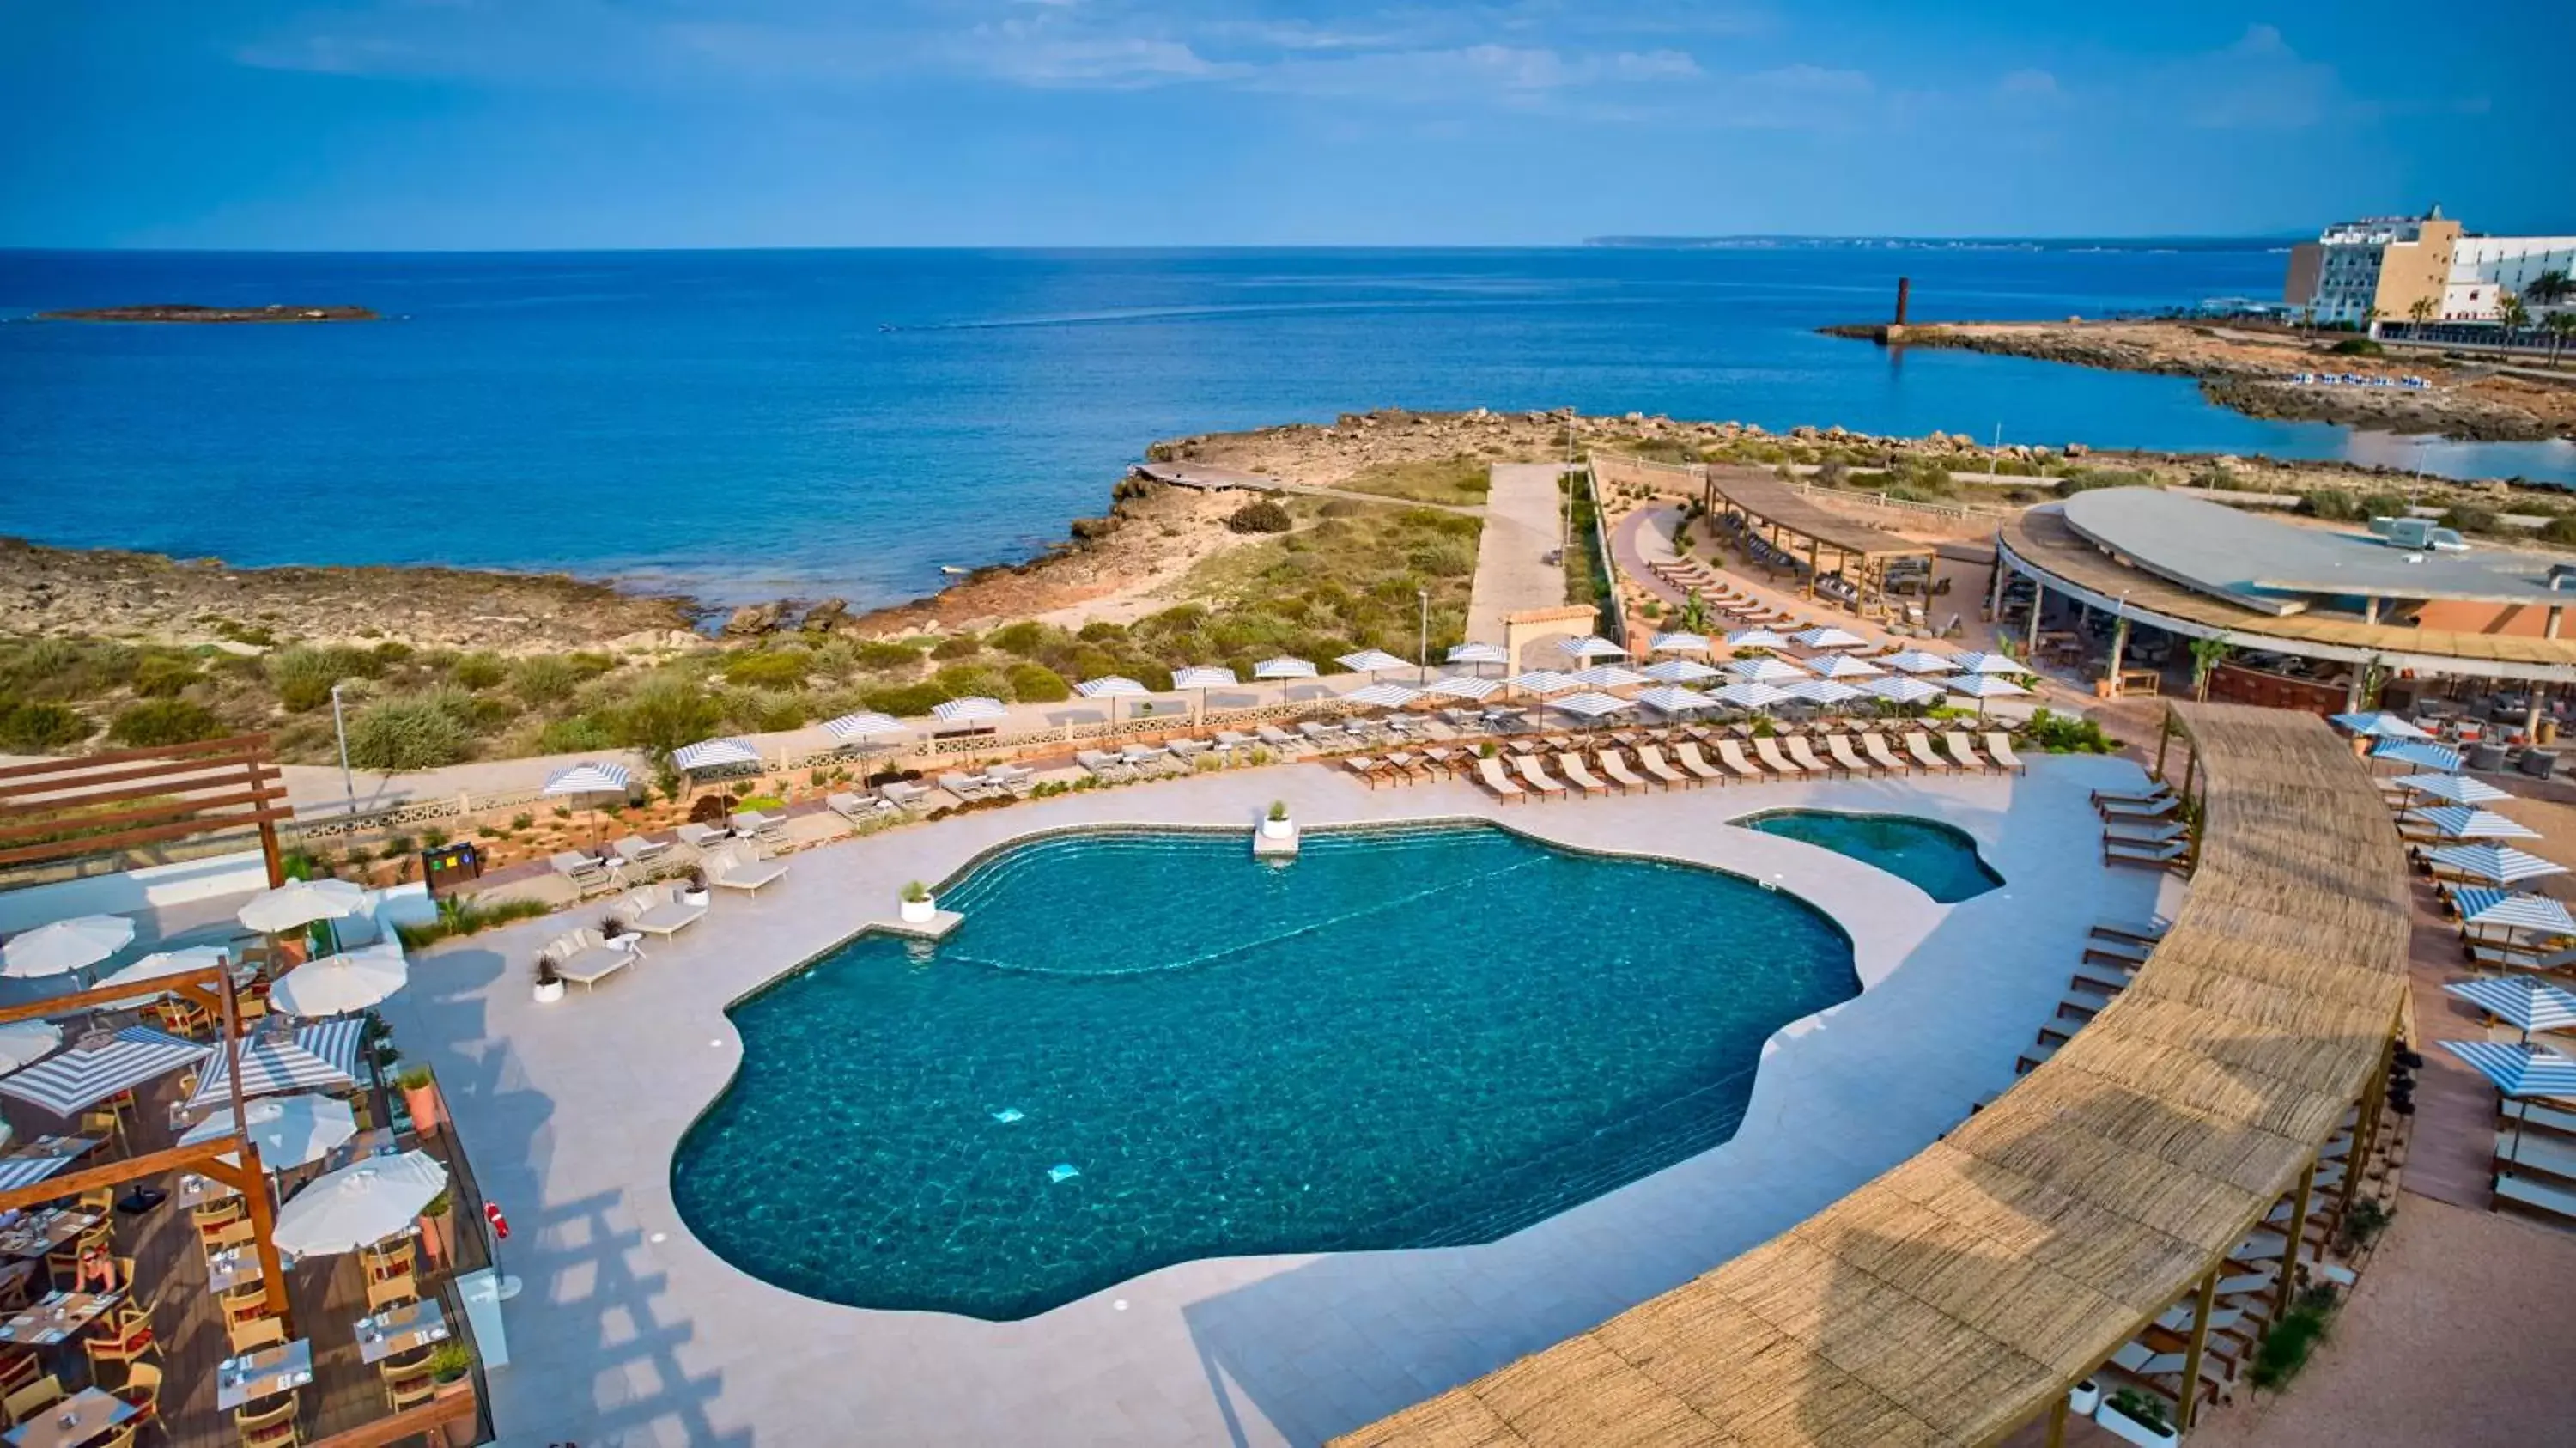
(447, 866)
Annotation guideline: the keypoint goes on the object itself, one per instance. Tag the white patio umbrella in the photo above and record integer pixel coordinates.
(1592, 646)
(589, 780)
(1113, 688)
(1590, 706)
(356, 1205)
(1674, 699)
(1611, 676)
(1283, 667)
(1843, 666)
(1476, 653)
(158, 966)
(2467, 822)
(335, 985)
(1826, 636)
(1372, 662)
(1821, 691)
(1544, 681)
(63, 946)
(1920, 661)
(1755, 638)
(2527, 1001)
(2377, 725)
(2495, 864)
(1982, 687)
(1900, 690)
(24, 1043)
(1989, 664)
(1462, 686)
(973, 709)
(714, 754)
(1749, 695)
(1679, 643)
(1765, 670)
(1382, 696)
(298, 903)
(1680, 671)
(2451, 788)
(288, 1130)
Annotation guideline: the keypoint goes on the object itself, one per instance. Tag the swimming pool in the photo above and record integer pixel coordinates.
(1407, 1038)
(1937, 859)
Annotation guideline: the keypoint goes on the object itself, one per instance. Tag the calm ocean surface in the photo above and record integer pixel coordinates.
(737, 424)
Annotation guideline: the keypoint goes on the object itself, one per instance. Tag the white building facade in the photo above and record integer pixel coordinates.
(2483, 266)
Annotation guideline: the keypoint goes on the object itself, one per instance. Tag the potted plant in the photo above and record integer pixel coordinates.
(2083, 1398)
(2136, 1417)
(438, 1227)
(693, 887)
(451, 1370)
(1276, 826)
(918, 907)
(550, 986)
(420, 1097)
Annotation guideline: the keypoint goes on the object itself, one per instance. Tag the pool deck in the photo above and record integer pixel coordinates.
(631, 1332)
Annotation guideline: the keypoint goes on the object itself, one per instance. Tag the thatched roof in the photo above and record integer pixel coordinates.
(1766, 497)
(1956, 1296)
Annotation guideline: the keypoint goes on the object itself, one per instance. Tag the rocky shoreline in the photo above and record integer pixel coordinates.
(2251, 372)
(193, 314)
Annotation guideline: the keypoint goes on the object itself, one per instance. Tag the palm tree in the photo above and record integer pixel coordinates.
(2514, 315)
(2550, 288)
(2206, 655)
(2560, 326)
(2419, 311)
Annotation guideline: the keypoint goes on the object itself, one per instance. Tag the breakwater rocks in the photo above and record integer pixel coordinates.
(188, 312)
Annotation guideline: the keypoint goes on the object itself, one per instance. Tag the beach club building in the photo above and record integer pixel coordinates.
(2379, 268)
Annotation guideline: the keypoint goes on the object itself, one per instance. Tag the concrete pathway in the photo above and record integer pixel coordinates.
(1521, 527)
(631, 1331)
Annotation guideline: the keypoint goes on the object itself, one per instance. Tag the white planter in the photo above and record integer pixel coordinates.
(2083, 1398)
(698, 898)
(2129, 1430)
(549, 992)
(1278, 829)
(920, 912)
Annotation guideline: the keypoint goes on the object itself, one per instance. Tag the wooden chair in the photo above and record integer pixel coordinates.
(101, 1201)
(142, 1391)
(231, 1234)
(108, 1126)
(391, 1292)
(402, 1261)
(255, 1333)
(408, 1385)
(119, 1437)
(25, 1403)
(64, 1262)
(121, 1335)
(17, 1370)
(273, 1426)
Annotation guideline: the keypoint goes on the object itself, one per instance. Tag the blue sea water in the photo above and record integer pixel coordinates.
(1407, 1038)
(740, 424)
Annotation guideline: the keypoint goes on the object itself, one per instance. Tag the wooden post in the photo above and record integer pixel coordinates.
(2164, 741)
(252, 1181)
(2298, 1236)
(1815, 560)
(2119, 651)
(2365, 1128)
(2190, 767)
(2191, 1358)
(2057, 1423)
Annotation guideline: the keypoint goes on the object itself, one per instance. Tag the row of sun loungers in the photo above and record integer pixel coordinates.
(2143, 828)
(586, 957)
(2113, 951)
(1524, 768)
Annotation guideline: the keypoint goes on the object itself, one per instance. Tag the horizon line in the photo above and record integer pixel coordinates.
(1613, 241)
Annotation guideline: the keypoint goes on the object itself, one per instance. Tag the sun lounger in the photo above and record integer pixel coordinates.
(1964, 750)
(2035, 1057)
(1845, 756)
(1615, 765)
(1505, 789)
(2116, 930)
(2497, 955)
(1730, 752)
(1536, 775)
(1803, 751)
(1999, 749)
(1230, 740)
(1652, 758)
(586, 959)
(752, 824)
(1278, 738)
(588, 876)
(2155, 810)
(1323, 735)
(1107, 768)
(1372, 770)
(2121, 852)
(1188, 750)
(1774, 758)
(656, 910)
(2131, 796)
(740, 866)
(1574, 769)
(969, 787)
(1016, 780)
(859, 808)
(1884, 755)
(702, 837)
(904, 794)
(641, 855)
(2144, 832)
(1918, 747)
(2118, 952)
(1686, 753)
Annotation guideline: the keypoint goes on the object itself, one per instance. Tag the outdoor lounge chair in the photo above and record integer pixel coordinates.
(1536, 774)
(1730, 752)
(2118, 952)
(656, 910)
(641, 855)
(1186, 751)
(702, 837)
(1229, 740)
(752, 824)
(1918, 747)
(1687, 752)
(740, 866)
(1846, 754)
(1367, 767)
(1615, 765)
(1964, 750)
(1440, 760)
(1580, 773)
(2102, 797)
(857, 808)
(2144, 832)
(2122, 852)
(2499, 955)
(1490, 771)
(586, 959)
(1651, 758)
(1999, 749)
(1802, 751)
(1016, 780)
(1323, 735)
(1883, 753)
(1107, 768)
(2150, 810)
(1773, 757)
(2147, 934)
(967, 786)
(588, 876)
(1278, 738)
(904, 794)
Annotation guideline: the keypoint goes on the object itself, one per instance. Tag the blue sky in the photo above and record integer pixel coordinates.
(571, 123)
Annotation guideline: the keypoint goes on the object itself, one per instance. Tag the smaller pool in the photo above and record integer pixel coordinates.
(1935, 858)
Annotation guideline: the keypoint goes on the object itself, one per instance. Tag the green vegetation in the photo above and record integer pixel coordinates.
(164, 721)
(2357, 347)
(34, 726)
(1587, 573)
(1464, 479)
(412, 731)
(2085, 480)
(2287, 1347)
(2066, 734)
(1348, 576)
(460, 916)
(1261, 515)
(2337, 506)
(2146, 1408)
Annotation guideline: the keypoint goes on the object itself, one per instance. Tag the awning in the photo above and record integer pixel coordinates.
(83, 1076)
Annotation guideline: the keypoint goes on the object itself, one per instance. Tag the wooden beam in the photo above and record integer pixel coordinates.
(100, 844)
(226, 775)
(2199, 1342)
(212, 976)
(245, 745)
(73, 828)
(2057, 1423)
(423, 1422)
(69, 788)
(117, 1173)
(2298, 1237)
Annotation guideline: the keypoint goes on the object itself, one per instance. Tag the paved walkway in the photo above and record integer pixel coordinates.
(1521, 528)
(632, 1332)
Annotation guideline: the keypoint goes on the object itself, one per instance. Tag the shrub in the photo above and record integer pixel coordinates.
(1023, 638)
(2286, 1348)
(2560, 530)
(2066, 734)
(459, 916)
(2332, 504)
(579, 734)
(408, 731)
(163, 676)
(479, 670)
(2085, 480)
(768, 668)
(1261, 515)
(302, 677)
(878, 654)
(957, 646)
(1037, 684)
(2356, 347)
(764, 710)
(37, 727)
(1445, 558)
(544, 680)
(2469, 519)
(904, 701)
(164, 721)
(664, 713)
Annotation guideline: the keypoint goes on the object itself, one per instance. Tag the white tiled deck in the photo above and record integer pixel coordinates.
(631, 1332)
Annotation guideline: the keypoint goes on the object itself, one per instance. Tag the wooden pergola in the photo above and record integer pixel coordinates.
(66, 809)
(1790, 522)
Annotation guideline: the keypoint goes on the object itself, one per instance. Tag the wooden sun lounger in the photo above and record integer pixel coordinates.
(1884, 756)
(2124, 811)
(1840, 747)
(1730, 752)
(1615, 765)
(1768, 747)
(1536, 775)
(1687, 751)
(1491, 772)
(2144, 832)
(1652, 757)
(1999, 748)
(2131, 796)
(2115, 930)
(2118, 952)
(2119, 852)
(1964, 750)
(1919, 748)
(2496, 955)
(1574, 768)
(1803, 750)
(1372, 770)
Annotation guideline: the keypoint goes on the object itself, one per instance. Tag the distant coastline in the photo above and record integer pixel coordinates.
(191, 313)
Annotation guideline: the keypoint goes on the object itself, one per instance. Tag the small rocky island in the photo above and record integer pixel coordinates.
(190, 312)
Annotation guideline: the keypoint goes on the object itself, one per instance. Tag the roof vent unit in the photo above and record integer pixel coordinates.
(2417, 534)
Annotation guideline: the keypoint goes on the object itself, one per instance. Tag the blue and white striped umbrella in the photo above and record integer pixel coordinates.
(1382, 696)
(30, 1166)
(2495, 864)
(2485, 905)
(1765, 670)
(1901, 690)
(320, 1057)
(715, 753)
(1207, 676)
(1749, 695)
(1821, 691)
(1826, 636)
(1755, 638)
(1463, 686)
(587, 779)
(1592, 646)
(1981, 663)
(1679, 643)
(2451, 788)
(865, 724)
(1284, 667)
(1544, 681)
(1589, 705)
(1921, 661)
(1116, 686)
(2415, 755)
(1674, 699)
(2380, 725)
(2516, 1070)
(973, 709)
(1985, 686)
(1372, 661)
(2526, 1001)
(2467, 822)
(85, 1075)
(1681, 671)
(1611, 676)
(1843, 666)
(1476, 653)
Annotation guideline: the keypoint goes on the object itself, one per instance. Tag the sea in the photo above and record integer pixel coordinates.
(758, 424)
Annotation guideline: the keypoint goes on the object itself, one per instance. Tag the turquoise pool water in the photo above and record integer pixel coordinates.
(1940, 861)
(1406, 1038)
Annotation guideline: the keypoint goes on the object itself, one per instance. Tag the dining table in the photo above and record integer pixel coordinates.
(56, 1318)
(41, 1232)
(399, 1330)
(263, 1374)
(83, 1418)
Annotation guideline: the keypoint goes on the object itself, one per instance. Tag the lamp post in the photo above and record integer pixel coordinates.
(340, 726)
(1424, 657)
